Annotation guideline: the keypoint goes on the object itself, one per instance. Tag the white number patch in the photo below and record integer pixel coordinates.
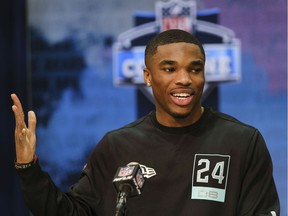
(209, 178)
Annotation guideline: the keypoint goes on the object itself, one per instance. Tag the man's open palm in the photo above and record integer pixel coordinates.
(25, 137)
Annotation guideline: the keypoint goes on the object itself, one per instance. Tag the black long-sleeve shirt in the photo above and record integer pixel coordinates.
(217, 166)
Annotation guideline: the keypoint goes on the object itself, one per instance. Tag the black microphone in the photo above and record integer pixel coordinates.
(128, 182)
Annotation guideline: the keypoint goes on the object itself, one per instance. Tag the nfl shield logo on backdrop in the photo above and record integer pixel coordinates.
(176, 14)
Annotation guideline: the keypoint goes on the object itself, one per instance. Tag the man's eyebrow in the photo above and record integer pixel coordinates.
(197, 62)
(171, 62)
(167, 62)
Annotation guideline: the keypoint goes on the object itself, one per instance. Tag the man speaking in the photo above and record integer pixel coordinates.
(193, 160)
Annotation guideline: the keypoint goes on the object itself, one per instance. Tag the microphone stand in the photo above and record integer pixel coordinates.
(121, 202)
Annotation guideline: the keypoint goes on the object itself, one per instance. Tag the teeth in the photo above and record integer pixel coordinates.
(181, 95)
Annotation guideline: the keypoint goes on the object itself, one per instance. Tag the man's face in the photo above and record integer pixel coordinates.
(176, 74)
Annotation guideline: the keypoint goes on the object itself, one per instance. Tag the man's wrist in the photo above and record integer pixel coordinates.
(25, 165)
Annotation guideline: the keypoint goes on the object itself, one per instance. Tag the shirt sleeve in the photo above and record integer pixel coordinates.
(43, 197)
(258, 192)
(84, 198)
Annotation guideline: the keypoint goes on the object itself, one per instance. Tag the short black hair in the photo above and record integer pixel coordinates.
(168, 37)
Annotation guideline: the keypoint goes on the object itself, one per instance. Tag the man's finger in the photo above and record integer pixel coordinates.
(18, 112)
(16, 101)
(32, 121)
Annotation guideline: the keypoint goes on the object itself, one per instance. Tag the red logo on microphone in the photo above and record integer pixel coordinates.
(125, 171)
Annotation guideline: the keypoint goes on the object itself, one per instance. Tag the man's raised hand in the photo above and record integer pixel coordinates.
(25, 137)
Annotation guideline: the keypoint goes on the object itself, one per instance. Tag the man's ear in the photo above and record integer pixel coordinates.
(147, 76)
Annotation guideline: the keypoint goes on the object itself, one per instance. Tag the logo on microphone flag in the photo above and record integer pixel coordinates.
(147, 172)
(126, 171)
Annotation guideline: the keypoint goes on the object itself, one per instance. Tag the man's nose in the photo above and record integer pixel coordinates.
(183, 78)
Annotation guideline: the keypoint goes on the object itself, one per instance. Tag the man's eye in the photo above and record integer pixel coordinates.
(169, 69)
(196, 70)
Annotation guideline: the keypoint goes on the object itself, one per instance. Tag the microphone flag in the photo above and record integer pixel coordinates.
(130, 179)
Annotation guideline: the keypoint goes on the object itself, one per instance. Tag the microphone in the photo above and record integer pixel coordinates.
(128, 182)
